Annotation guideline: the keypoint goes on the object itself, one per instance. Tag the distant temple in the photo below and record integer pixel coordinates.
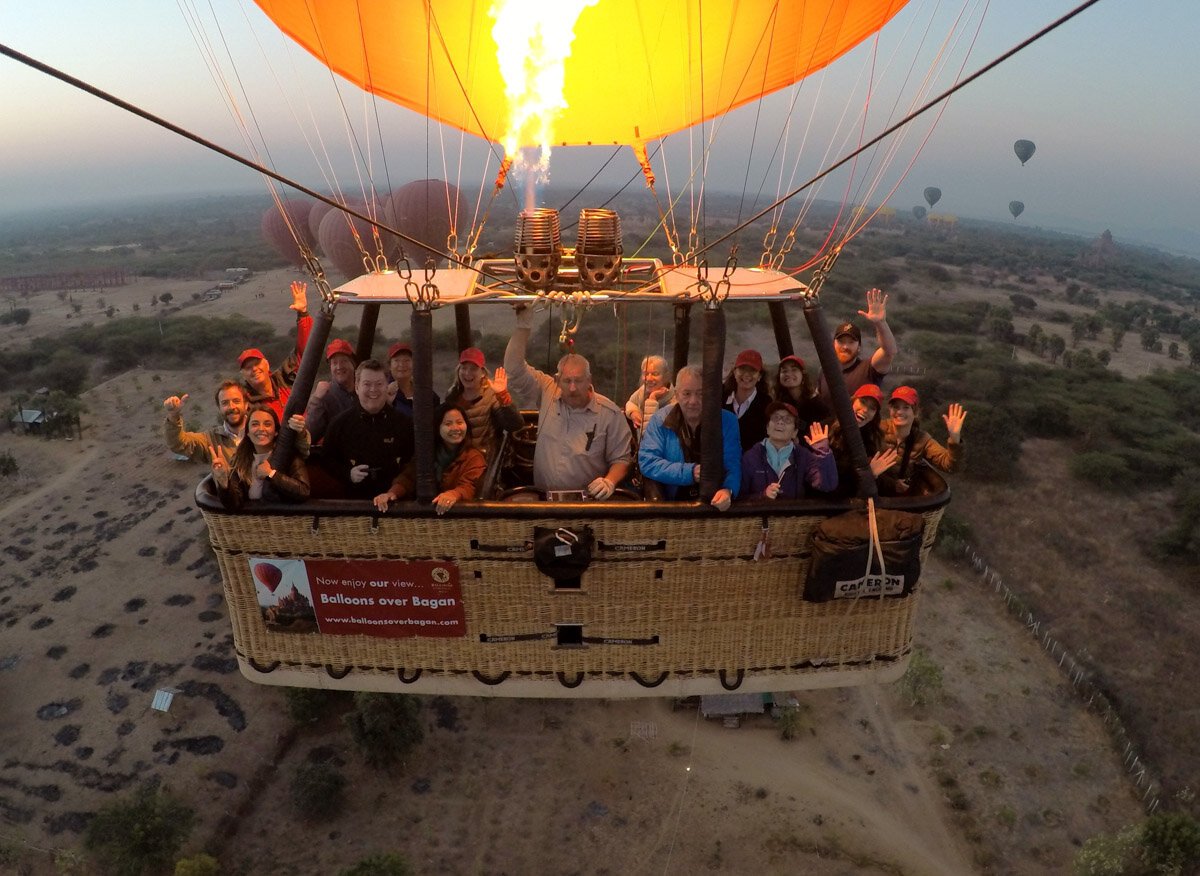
(1102, 251)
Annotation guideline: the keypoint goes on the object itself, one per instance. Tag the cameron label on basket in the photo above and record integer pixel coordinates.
(385, 598)
(869, 585)
(841, 546)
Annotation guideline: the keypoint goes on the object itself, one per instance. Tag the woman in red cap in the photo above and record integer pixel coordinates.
(793, 386)
(747, 395)
(485, 400)
(867, 404)
(400, 390)
(913, 446)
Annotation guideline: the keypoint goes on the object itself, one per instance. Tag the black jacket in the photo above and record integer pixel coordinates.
(384, 441)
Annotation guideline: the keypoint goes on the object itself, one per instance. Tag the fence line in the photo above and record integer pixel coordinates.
(1091, 695)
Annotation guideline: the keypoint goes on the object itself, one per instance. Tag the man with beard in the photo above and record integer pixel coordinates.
(198, 446)
(368, 446)
(847, 343)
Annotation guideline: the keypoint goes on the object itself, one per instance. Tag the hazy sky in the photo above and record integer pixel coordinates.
(1109, 100)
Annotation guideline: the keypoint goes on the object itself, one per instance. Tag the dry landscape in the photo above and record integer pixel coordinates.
(108, 593)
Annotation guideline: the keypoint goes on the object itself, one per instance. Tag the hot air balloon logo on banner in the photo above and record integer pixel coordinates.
(384, 598)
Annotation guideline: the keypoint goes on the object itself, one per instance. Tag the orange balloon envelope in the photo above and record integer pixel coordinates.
(637, 70)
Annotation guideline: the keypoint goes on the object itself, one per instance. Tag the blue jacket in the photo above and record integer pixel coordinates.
(814, 467)
(660, 455)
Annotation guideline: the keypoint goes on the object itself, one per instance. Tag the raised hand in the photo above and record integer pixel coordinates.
(883, 460)
(299, 296)
(174, 403)
(499, 380)
(220, 468)
(296, 422)
(817, 433)
(876, 310)
(954, 421)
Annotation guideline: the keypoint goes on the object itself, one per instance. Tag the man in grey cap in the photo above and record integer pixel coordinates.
(847, 343)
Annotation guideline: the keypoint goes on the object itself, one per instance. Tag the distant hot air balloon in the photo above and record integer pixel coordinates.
(1024, 150)
(919, 211)
(1016, 208)
(932, 195)
(315, 215)
(282, 233)
(269, 575)
(338, 243)
(425, 210)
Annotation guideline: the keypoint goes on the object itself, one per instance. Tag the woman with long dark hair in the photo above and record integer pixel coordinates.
(249, 477)
(457, 466)
(867, 404)
(793, 386)
(914, 447)
(484, 400)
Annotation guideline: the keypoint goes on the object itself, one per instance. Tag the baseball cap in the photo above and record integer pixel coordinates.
(473, 355)
(796, 360)
(905, 394)
(397, 348)
(776, 406)
(869, 390)
(339, 346)
(750, 359)
(251, 353)
(848, 328)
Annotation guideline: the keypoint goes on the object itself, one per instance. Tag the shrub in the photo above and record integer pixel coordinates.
(308, 705)
(921, 683)
(1171, 843)
(8, 464)
(141, 834)
(198, 865)
(1108, 854)
(386, 864)
(19, 316)
(1106, 471)
(385, 727)
(791, 722)
(318, 790)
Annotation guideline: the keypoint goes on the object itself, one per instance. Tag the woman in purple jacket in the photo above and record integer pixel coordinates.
(779, 466)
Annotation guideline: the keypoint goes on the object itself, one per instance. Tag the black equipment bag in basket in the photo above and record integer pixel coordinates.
(840, 549)
(563, 554)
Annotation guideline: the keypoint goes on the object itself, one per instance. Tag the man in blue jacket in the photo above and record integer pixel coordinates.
(670, 450)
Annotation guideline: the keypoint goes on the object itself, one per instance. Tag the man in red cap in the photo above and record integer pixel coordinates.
(331, 397)
(400, 390)
(264, 386)
(847, 343)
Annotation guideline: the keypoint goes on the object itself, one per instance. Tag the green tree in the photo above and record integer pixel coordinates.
(1149, 337)
(318, 790)
(1117, 336)
(198, 865)
(384, 727)
(1057, 346)
(166, 298)
(1173, 350)
(141, 834)
(1171, 843)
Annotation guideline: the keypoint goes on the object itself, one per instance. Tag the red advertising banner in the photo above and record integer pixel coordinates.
(386, 598)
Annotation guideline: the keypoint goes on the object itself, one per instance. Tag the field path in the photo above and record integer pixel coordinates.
(68, 476)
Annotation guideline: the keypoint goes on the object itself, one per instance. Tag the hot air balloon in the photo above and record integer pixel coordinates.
(1016, 208)
(268, 575)
(315, 215)
(630, 78)
(358, 41)
(919, 211)
(426, 210)
(282, 233)
(1024, 150)
(932, 195)
(338, 243)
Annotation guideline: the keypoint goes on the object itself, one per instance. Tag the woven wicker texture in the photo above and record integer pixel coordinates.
(689, 582)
